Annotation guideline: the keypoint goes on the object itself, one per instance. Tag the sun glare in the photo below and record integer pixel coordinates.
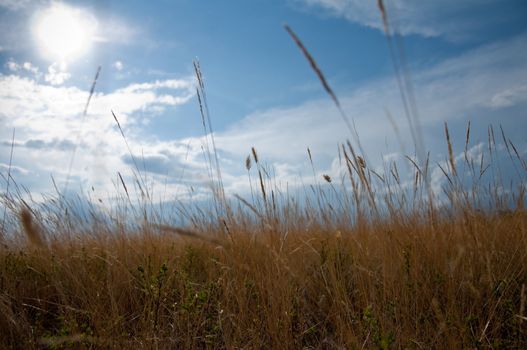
(64, 33)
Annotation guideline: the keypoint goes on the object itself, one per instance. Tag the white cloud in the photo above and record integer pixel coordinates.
(509, 97)
(18, 4)
(49, 123)
(57, 74)
(159, 84)
(426, 18)
(13, 169)
(35, 106)
(12, 65)
(28, 66)
(118, 65)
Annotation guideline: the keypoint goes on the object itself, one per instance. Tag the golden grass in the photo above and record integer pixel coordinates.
(406, 282)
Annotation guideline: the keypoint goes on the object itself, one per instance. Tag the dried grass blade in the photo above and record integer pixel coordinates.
(33, 233)
(450, 152)
(349, 124)
(382, 9)
(124, 185)
(313, 64)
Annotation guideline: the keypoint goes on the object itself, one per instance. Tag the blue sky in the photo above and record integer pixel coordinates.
(466, 60)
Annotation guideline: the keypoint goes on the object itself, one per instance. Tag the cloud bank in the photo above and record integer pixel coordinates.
(50, 125)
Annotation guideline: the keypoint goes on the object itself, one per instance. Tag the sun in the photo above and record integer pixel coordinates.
(64, 33)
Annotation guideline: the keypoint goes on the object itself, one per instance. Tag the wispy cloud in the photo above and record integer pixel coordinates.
(509, 97)
(14, 170)
(116, 30)
(15, 5)
(425, 18)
